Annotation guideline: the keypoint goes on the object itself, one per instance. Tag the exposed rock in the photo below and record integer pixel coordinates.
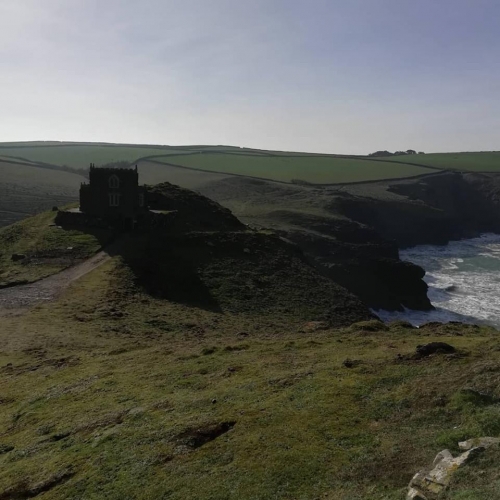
(482, 442)
(22, 490)
(351, 363)
(354, 255)
(434, 348)
(196, 437)
(5, 448)
(368, 266)
(428, 484)
(414, 494)
(432, 210)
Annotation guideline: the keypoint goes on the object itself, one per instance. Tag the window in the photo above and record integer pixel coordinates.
(114, 182)
(114, 200)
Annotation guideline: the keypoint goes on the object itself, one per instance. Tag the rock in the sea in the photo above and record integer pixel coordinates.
(482, 442)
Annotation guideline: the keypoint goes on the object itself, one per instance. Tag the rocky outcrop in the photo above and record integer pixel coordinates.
(352, 233)
(429, 483)
(431, 210)
(351, 253)
(194, 212)
(209, 259)
(482, 442)
(359, 259)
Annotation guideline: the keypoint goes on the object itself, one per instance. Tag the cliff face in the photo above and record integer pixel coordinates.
(432, 210)
(351, 253)
(352, 233)
(368, 265)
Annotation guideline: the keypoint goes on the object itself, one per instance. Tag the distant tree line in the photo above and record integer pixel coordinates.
(397, 153)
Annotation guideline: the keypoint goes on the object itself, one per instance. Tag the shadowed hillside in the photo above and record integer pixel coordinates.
(203, 257)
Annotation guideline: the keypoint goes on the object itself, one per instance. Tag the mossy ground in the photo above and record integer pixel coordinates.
(47, 248)
(100, 388)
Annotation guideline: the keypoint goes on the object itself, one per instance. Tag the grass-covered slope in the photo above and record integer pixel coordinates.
(273, 165)
(313, 169)
(204, 256)
(26, 190)
(79, 156)
(44, 248)
(488, 161)
(111, 393)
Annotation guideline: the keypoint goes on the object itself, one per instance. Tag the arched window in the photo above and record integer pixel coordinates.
(114, 182)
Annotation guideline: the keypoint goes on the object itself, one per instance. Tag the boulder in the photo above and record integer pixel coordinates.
(433, 348)
(414, 494)
(430, 483)
(482, 442)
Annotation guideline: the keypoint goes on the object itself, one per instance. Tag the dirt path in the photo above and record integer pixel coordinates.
(24, 296)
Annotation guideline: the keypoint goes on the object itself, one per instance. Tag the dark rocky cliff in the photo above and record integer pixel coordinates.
(358, 258)
(431, 210)
(352, 233)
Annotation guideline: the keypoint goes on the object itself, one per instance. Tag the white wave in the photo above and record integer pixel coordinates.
(463, 279)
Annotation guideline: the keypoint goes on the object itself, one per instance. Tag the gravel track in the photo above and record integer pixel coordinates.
(22, 297)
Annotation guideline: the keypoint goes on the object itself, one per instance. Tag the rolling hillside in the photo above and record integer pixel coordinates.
(272, 165)
(37, 175)
(26, 190)
(488, 161)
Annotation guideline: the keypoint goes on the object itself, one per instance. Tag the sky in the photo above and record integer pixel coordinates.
(331, 76)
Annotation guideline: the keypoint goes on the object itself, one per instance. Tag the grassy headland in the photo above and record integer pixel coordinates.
(43, 248)
(111, 393)
(215, 363)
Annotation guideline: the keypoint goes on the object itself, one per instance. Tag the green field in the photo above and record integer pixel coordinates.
(80, 156)
(474, 162)
(274, 165)
(27, 190)
(313, 169)
(47, 247)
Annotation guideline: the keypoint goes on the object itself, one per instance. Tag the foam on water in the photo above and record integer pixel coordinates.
(463, 279)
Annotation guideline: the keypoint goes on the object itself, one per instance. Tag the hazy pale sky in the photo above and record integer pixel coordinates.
(339, 76)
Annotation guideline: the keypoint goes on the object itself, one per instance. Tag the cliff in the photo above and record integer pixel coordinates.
(431, 210)
(353, 233)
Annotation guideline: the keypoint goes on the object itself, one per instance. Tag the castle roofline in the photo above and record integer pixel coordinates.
(113, 169)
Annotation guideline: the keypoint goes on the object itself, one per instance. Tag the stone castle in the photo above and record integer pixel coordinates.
(115, 195)
(112, 197)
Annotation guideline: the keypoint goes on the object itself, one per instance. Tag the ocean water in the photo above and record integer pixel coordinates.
(463, 279)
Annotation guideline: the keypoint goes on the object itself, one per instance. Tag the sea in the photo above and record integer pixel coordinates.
(463, 279)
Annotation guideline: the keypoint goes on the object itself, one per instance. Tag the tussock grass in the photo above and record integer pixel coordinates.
(116, 400)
